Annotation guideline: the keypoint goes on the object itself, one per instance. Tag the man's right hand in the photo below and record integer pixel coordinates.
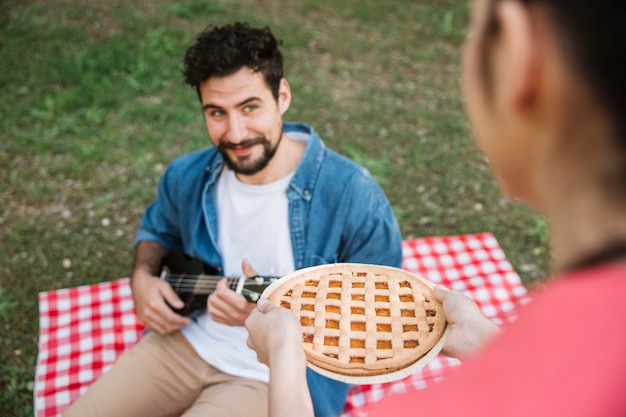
(152, 296)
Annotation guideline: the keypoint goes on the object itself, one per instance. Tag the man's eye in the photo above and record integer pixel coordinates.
(249, 109)
(217, 113)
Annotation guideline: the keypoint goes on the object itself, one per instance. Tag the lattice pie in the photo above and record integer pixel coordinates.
(362, 320)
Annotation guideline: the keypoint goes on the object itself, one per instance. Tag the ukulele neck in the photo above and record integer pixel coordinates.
(200, 284)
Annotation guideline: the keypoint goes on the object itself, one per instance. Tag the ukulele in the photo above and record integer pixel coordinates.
(194, 281)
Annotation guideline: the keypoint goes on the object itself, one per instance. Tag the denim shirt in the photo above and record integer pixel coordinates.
(337, 213)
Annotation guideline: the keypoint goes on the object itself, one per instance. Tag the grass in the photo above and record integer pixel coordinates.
(93, 108)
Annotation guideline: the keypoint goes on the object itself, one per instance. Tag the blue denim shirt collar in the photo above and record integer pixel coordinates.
(305, 177)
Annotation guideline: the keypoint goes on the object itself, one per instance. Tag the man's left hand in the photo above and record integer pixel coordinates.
(228, 307)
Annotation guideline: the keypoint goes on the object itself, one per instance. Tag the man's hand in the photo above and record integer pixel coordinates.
(152, 296)
(470, 330)
(226, 306)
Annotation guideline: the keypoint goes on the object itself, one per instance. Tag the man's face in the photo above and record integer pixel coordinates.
(244, 119)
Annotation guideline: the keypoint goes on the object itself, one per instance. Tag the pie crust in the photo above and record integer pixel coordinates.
(363, 323)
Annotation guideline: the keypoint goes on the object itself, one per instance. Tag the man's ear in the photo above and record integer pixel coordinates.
(518, 56)
(284, 96)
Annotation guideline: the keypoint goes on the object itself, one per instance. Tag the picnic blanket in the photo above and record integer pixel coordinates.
(82, 330)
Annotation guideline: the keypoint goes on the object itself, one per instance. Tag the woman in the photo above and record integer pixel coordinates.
(545, 93)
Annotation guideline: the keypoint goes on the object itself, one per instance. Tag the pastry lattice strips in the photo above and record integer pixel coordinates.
(362, 320)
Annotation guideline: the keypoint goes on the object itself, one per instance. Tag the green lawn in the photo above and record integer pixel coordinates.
(93, 108)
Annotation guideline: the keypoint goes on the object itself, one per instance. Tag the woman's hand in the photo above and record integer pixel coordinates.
(273, 329)
(470, 330)
(276, 336)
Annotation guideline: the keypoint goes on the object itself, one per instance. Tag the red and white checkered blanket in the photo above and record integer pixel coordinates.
(82, 330)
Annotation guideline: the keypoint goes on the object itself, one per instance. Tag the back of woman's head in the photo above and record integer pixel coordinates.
(592, 34)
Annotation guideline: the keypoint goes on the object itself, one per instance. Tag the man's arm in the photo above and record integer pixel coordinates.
(151, 294)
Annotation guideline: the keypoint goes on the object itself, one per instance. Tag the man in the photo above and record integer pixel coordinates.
(267, 198)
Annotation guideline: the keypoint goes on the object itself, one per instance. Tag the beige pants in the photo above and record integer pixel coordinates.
(162, 376)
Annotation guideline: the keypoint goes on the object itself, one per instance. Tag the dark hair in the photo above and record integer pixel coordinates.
(593, 37)
(222, 51)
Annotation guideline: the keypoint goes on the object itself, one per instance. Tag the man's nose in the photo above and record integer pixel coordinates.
(236, 129)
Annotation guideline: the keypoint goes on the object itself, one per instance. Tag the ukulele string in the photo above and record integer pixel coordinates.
(200, 282)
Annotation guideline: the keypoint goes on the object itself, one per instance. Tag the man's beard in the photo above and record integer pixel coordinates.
(247, 165)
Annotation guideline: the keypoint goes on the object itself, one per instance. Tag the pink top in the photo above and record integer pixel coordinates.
(564, 356)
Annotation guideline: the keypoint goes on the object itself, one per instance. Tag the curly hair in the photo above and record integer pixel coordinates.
(222, 51)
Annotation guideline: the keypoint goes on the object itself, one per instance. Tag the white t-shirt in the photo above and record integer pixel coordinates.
(253, 224)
